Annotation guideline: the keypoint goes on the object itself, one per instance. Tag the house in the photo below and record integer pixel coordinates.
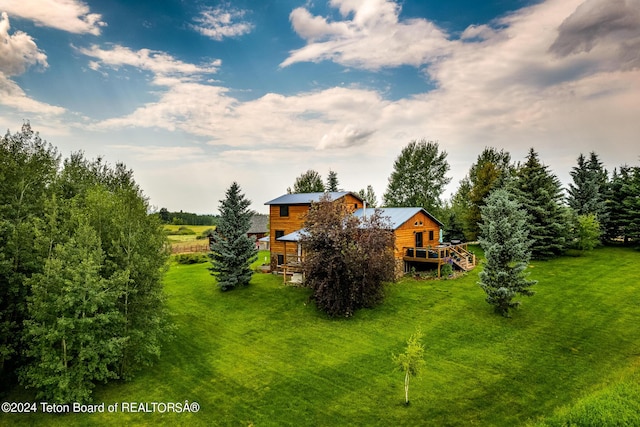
(418, 234)
(287, 215)
(259, 227)
(418, 240)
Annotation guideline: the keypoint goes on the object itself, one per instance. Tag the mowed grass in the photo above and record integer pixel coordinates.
(264, 356)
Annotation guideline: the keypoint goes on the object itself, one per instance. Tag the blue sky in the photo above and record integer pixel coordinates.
(193, 95)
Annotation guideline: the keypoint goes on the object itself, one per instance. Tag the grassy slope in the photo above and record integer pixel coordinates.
(263, 356)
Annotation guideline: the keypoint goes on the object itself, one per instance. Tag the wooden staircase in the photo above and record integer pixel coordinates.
(461, 257)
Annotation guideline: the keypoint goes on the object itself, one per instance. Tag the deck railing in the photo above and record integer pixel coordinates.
(458, 254)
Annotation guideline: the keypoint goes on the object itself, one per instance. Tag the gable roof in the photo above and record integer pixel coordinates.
(397, 216)
(308, 198)
(259, 224)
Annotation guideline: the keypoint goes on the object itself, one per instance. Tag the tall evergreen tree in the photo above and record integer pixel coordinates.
(232, 250)
(540, 194)
(418, 177)
(332, 182)
(73, 330)
(624, 205)
(588, 192)
(492, 170)
(308, 182)
(506, 244)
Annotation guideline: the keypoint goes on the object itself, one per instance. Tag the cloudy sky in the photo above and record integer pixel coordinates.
(193, 95)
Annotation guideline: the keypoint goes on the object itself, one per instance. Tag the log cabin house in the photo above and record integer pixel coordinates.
(418, 234)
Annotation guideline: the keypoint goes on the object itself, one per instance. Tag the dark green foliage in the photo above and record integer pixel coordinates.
(369, 196)
(332, 182)
(624, 205)
(419, 177)
(188, 259)
(232, 251)
(72, 333)
(540, 194)
(347, 259)
(181, 217)
(492, 170)
(28, 167)
(308, 182)
(455, 214)
(43, 214)
(504, 239)
(587, 193)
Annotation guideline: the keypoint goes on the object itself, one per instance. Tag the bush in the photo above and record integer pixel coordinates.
(446, 270)
(191, 259)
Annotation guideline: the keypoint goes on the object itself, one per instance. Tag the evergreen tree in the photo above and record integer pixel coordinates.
(457, 224)
(492, 170)
(506, 244)
(232, 250)
(369, 196)
(308, 182)
(72, 333)
(586, 195)
(332, 182)
(540, 194)
(419, 177)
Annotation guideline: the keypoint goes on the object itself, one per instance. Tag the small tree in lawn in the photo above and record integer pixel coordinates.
(505, 241)
(232, 250)
(411, 361)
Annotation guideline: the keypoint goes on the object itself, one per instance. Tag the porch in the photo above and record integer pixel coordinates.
(455, 254)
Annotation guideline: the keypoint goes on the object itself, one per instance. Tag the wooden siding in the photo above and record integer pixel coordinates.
(288, 224)
(405, 234)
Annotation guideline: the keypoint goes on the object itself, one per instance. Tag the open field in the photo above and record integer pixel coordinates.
(263, 356)
(188, 242)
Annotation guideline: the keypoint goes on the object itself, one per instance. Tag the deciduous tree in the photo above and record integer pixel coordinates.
(369, 196)
(411, 362)
(308, 182)
(347, 260)
(419, 177)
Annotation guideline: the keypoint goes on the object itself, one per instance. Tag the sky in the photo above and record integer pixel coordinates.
(193, 95)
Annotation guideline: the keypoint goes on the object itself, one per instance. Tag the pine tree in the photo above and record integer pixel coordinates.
(504, 239)
(332, 182)
(72, 332)
(232, 250)
(540, 194)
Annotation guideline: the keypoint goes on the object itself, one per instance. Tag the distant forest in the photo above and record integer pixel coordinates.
(186, 218)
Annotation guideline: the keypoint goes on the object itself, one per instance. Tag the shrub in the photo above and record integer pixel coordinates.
(191, 259)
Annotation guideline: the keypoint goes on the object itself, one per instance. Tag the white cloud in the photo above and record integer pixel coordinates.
(220, 23)
(18, 51)
(370, 36)
(68, 15)
(159, 63)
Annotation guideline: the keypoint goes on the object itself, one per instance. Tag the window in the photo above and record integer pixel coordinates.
(284, 210)
(419, 239)
(279, 234)
(430, 234)
(355, 205)
(280, 259)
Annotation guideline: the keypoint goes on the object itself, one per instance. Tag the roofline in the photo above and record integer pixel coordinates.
(426, 212)
(269, 203)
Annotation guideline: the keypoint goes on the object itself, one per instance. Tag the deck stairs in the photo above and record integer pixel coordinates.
(461, 257)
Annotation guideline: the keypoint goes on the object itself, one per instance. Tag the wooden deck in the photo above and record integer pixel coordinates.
(458, 255)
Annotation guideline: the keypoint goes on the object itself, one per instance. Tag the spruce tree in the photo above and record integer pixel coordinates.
(332, 181)
(369, 196)
(232, 250)
(506, 244)
(540, 194)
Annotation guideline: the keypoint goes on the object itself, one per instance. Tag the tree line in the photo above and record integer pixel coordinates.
(81, 262)
(186, 218)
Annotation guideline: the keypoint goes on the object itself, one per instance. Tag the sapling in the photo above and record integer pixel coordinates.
(411, 361)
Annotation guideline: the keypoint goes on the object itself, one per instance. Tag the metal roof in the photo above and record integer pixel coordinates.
(307, 198)
(296, 236)
(397, 216)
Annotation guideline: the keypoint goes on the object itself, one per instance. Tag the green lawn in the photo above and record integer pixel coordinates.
(263, 356)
